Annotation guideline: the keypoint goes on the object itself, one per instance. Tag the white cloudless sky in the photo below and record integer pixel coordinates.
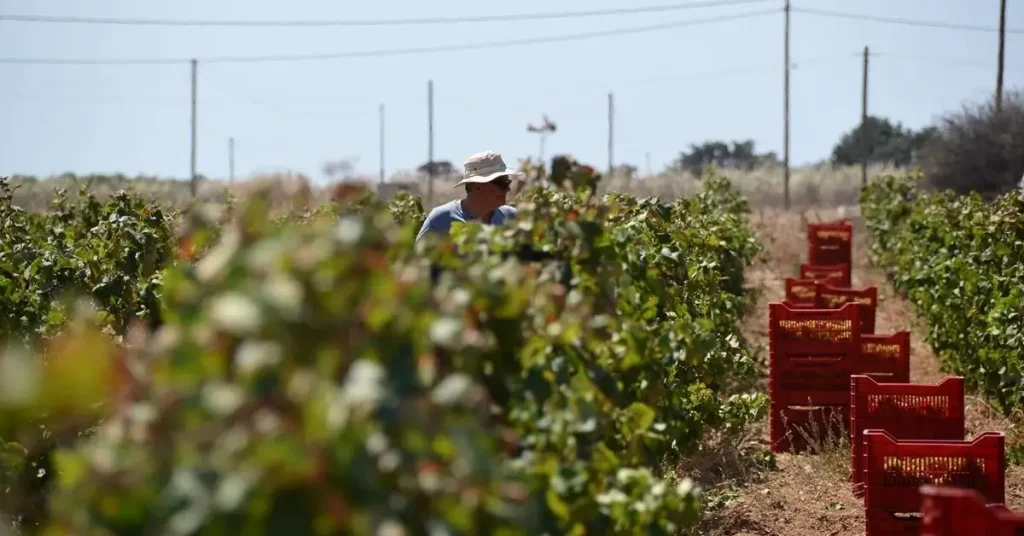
(672, 87)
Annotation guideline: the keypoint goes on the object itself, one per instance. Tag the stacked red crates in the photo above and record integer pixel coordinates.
(821, 272)
(830, 242)
(811, 363)
(905, 411)
(826, 361)
(895, 470)
(803, 293)
(812, 353)
(886, 358)
(903, 436)
(830, 297)
(956, 512)
(829, 251)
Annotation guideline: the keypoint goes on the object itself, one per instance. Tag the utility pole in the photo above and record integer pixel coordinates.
(865, 138)
(785, 135)
(195, 179)
(1002, 55)
(430, 142)
(382, 144)
(231, 160)
(611, 134)
(542, 130)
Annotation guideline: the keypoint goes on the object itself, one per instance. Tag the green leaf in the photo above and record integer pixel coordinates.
(641, 417)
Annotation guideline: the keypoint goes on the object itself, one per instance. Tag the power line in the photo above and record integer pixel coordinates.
(533, 89)
(392, 51)
(224, 93)
(94, 61)
(903, 21)
(938, 59)
(378, 22)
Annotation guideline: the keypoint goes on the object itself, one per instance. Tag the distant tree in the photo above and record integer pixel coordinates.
(887, 143)
(978, 149)
(442, 168)
(736, 155)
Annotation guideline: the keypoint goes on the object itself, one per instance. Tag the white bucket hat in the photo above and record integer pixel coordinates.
(485, 167)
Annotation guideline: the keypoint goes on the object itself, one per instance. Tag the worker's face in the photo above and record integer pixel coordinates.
(495, 193)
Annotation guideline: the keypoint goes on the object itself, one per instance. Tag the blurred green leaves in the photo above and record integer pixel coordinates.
(325, 373)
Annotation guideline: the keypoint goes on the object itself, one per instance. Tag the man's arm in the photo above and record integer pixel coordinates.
(426, 225)
(437, 221)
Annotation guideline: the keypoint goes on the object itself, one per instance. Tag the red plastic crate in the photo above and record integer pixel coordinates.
(811, 357)
(830, 297)
(801, 293)
(830, 243)
(955, 512)
(821, 272)
(895, 469)
(905, 411)
(886, 358)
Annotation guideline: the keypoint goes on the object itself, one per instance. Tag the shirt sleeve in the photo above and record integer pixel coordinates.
(437, 221)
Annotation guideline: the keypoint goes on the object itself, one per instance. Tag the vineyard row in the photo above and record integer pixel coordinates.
(219, 371)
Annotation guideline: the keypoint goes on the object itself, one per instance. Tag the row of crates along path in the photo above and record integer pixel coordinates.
(831, 375)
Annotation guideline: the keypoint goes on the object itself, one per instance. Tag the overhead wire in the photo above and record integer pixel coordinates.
(901, 20)
(227, 92)
(394, 51)
(449, 20)
(379, 22)
(939, 59)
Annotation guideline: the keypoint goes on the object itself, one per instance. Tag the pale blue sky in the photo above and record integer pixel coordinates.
(672, 87)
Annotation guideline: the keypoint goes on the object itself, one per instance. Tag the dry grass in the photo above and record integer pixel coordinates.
(813, 186)
(810, 494)
(37, 195)
(809, 187)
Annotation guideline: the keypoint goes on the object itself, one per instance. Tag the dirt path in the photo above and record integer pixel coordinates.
(804, 495)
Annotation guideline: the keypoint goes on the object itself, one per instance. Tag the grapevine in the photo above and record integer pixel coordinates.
(325, 373)
(960, 261)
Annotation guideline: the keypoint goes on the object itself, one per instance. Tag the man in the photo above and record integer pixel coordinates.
(487, 182)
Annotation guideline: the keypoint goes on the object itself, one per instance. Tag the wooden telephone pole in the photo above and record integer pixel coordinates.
(865, 138)
(194, 183)
(1002, 55)
(430, 141)
(785, 136)
(611, 134)
(381, 143)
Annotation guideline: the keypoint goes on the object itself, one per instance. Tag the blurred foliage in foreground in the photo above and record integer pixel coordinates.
(325, 374)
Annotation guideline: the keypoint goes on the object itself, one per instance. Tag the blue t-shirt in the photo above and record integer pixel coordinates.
(440, 219)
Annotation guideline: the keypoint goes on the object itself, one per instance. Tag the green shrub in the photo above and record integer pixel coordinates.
(112, 252)
(960, 260)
